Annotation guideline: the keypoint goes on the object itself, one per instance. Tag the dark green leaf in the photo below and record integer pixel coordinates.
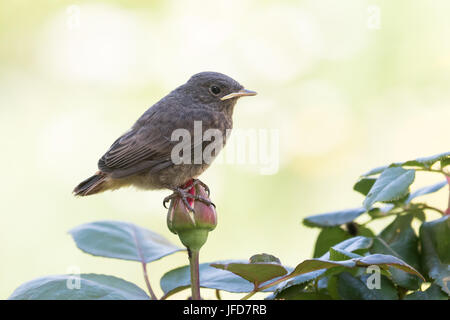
(332, 219)
(296, 293)
(445, 162)
(426, 190)
(365, 232)
(400, 277)
(434, 292)
(91, 287)
(435, 240)
(121, 240)
(327, 238)
(364, 185)
(392, 184)
(353, 288)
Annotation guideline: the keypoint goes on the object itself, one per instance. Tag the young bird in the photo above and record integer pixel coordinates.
(142, 157)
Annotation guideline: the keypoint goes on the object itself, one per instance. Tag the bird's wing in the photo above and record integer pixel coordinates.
(147, 146)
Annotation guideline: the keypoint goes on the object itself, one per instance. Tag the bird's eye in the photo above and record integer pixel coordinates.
(215, 90)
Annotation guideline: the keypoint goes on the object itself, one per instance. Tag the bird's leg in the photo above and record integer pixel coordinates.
(186, 192)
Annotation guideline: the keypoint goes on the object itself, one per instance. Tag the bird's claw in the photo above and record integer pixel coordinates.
(184, 194)
(198, 181)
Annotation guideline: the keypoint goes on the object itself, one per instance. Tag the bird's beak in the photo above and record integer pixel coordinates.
(240, 93)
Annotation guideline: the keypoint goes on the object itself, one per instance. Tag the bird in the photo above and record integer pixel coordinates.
(143, 156)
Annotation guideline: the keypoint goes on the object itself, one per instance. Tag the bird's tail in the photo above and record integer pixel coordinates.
(91, 185)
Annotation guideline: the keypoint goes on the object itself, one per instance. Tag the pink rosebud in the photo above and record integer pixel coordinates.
(192, 227)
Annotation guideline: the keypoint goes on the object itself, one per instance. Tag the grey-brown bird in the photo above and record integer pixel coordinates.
(142, 157)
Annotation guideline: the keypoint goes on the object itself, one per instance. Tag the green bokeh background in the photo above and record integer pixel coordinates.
(343, 95)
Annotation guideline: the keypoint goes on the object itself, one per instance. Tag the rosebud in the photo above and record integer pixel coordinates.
(192, 227)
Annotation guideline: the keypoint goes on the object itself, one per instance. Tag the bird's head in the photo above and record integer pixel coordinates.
(216, 90)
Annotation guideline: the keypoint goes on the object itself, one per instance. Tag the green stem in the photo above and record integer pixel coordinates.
(430, 170)
(425, 206)
(195, 274)
(147, 282)
(249, 295)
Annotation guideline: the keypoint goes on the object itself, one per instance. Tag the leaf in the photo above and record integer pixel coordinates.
(375, 171)
(295, 293)
(121, 240)
(364, 185)
(255, 272)
(212, 278)
(392, 184)
(426, 190)
(339, 255)
(445, 162)
(359, 244)
(332, 219)
(426, 162)
(434, 292)
(374, 259)
(91, 287)
(327, 238)
(264, 258)
(399, 239)
(353, 288)
(435, 240)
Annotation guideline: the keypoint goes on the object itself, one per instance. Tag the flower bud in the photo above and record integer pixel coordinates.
(192, 227)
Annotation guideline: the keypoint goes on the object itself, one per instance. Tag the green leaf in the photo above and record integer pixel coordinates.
(264, 258)
(212, 278)
(364, 185)
(399, 239)
(435, 240)
(353, 288)
(339, 255)
(332, 219)
(434, 292)
(255, 272)
(391, 185)
(366, 232)
(327, 238)
(296, 293)
(121, 240)
(374, 259)
(91, 287)
(426, 162)
(375, 171)
(445, 162)
(426, 190)
(359, 244)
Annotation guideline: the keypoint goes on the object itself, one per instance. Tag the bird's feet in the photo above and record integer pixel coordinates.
(187, 194)
(201, 183)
